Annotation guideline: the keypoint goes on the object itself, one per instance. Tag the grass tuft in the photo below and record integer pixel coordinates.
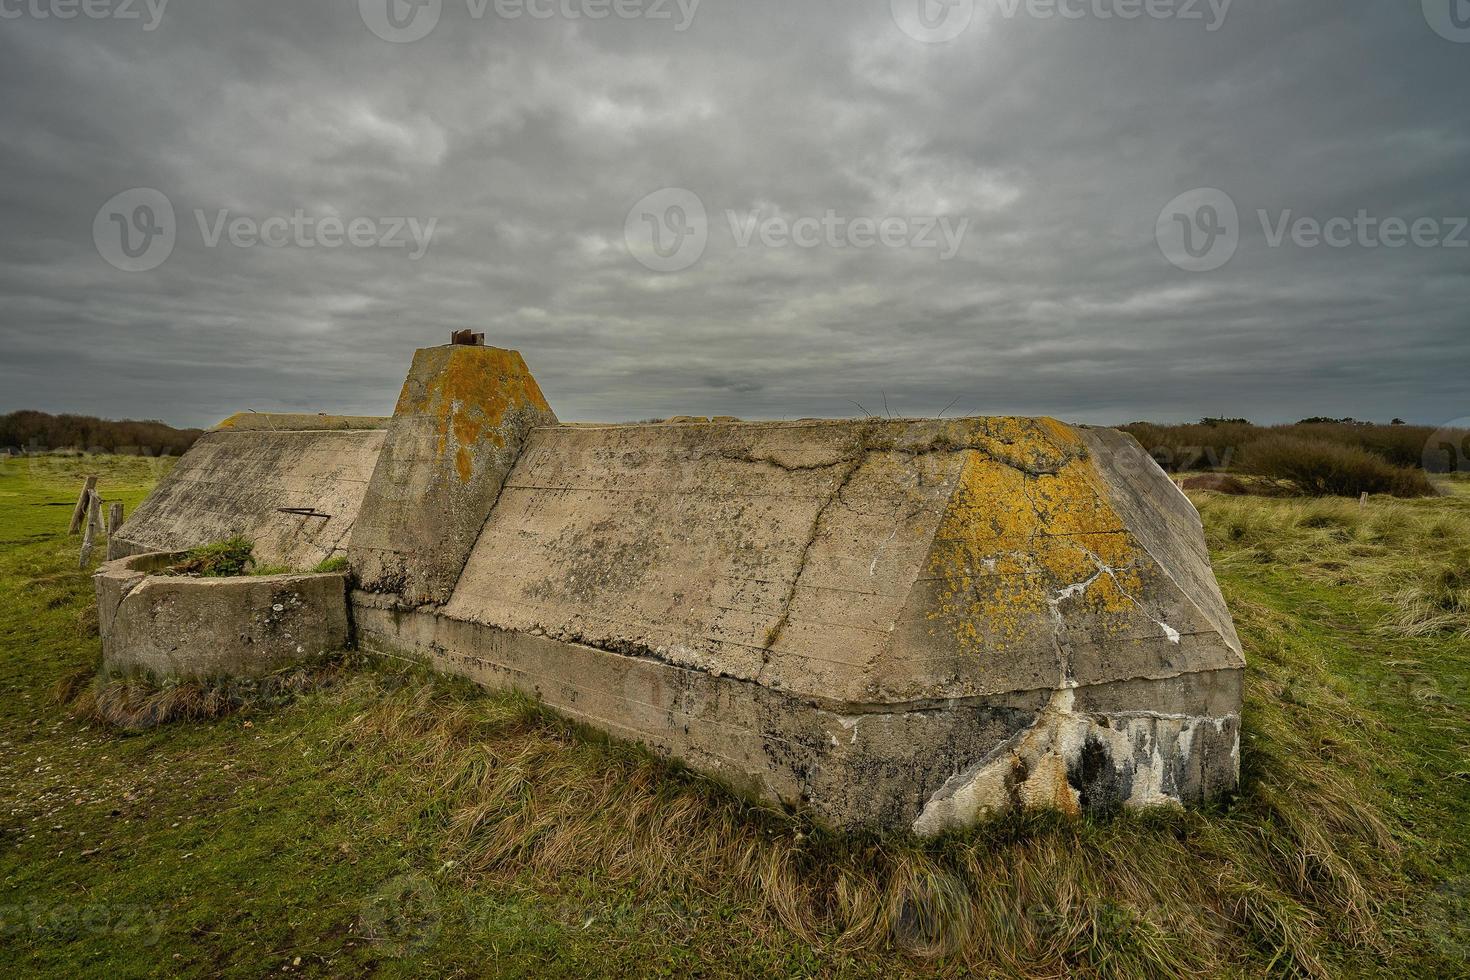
(1305, 859)
(223, 559)
(141, 701)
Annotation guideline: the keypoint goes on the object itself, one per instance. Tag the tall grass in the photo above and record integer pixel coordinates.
(1413, 559)
(1301, 862)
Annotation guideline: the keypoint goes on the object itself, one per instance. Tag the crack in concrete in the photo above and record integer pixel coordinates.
(774, 633)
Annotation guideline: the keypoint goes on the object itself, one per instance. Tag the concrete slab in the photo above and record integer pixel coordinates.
(291, 484)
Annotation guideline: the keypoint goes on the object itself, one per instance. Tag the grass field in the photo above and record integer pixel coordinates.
(389, 821)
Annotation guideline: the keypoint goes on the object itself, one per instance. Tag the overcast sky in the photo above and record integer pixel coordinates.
(985, 193)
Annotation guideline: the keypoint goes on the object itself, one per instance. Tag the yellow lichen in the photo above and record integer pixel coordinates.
(1029, 532)
(469, 392)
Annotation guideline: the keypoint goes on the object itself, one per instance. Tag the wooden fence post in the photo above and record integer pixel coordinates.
(80, 511)
(1363, 501)
(94, 524)
(114, 517)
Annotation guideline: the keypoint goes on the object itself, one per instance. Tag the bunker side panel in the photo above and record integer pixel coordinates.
(294, 492)
(1162, 521)
(777, 553)
(869, 562)
(461, 420)
(1037, 579)
(908, 767)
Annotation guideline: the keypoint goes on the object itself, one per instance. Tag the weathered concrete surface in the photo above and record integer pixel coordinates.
(956, 616)
(904, 766)
(897, 624)
(459, 425)
(292, 484)
(179, 627)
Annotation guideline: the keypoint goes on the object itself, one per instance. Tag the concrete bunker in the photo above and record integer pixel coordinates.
(174, 626)
(900, 624)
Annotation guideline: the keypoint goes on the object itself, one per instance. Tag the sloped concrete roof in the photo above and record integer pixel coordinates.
(292, 484)
(854, 561)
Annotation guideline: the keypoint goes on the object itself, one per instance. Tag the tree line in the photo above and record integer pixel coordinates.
(30, 431)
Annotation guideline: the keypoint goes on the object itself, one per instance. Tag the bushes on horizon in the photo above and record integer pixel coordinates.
(30, 430)
(1319, 468)
(1218, 444)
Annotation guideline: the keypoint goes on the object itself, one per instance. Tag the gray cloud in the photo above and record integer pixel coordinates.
(529, 141)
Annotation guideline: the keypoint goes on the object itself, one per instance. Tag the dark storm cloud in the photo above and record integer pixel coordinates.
(528, 140)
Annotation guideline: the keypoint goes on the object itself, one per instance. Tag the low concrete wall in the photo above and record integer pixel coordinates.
(924, 767)
(175, 626)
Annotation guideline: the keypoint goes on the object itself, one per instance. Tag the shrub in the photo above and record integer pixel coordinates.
(1323, 469)
(234, 556)
(1218, 483)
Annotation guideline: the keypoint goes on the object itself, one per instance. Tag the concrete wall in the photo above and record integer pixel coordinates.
(868, 562)
(179, 627)
(459, 425)
(955, 616)
(254, 475)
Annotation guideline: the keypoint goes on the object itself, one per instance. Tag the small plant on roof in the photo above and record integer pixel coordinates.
(233, 556)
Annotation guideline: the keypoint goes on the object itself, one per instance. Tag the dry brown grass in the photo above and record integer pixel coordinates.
(140, 701)
(1302, 862)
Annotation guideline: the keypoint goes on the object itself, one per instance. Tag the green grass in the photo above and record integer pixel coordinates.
(385, 821)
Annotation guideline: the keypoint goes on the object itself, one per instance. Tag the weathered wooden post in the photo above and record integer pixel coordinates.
(80, 511)
(1363, 501)
(114, 517)
(94, 525)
